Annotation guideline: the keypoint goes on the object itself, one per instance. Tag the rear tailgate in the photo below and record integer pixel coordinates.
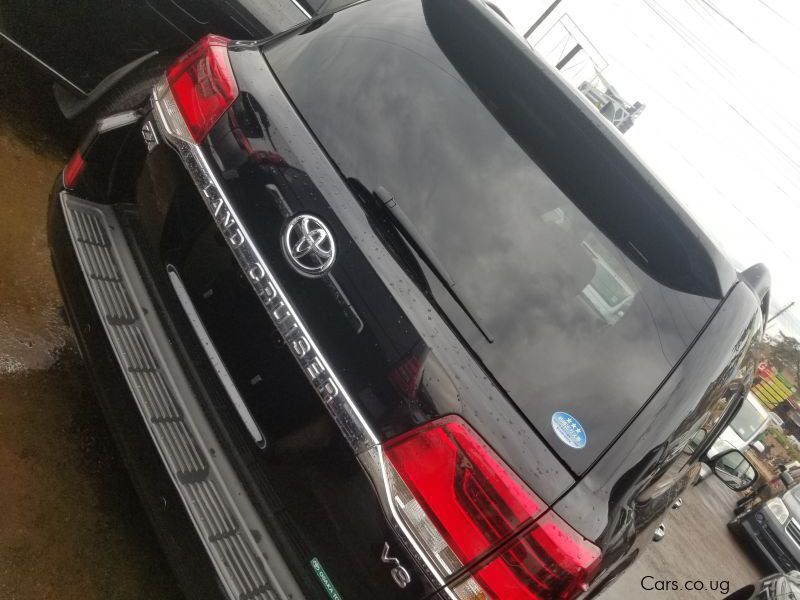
(588, 276)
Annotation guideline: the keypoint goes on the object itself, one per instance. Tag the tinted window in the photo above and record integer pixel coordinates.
(570, 269)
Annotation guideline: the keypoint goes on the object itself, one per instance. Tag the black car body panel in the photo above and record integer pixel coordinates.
(619, 501)
(83, 42)
(677, 357)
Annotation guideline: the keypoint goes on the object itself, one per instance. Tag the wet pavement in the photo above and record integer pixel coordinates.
(697, 550)
(70, 524)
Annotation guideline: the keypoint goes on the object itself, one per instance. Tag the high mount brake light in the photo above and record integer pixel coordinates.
(199, 88)
(460, 500)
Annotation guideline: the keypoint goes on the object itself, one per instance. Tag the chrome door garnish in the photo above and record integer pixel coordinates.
(214, 358)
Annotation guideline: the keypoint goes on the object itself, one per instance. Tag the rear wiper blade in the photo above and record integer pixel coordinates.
(406, 228)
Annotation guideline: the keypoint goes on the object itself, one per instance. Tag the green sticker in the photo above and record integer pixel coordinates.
(324, 579)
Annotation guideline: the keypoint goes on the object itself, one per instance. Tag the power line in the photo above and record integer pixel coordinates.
(542, 17)
(710, 58)
(726, 74)
(700, 125)
(781, 311)
(692, 165)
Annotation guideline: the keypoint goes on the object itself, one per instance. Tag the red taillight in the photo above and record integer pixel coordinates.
(74, 169)
(202, 84)
(549, 561)
(457, 487)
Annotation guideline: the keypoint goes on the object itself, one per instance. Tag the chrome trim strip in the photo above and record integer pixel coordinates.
(226, 521)
(302, 8)
(276, 302)
(117, 120)
(796, 536)
(398, 521)
(214, 358)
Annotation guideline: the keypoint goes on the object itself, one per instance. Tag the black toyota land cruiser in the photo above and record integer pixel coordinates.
(380, 308)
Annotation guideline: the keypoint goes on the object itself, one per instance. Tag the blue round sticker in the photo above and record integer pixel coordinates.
(568, 429)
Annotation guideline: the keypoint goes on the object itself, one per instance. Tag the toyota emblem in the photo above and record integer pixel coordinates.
(308, 245)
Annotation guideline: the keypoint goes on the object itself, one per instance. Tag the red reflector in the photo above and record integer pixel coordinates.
(476, 502)
(472, 498)
(203, 85)
(405, 376)
(73, 170)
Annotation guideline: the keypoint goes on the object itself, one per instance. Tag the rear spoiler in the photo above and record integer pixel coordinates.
(760, 281)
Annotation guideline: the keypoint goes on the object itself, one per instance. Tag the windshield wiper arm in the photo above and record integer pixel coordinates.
(406, 228)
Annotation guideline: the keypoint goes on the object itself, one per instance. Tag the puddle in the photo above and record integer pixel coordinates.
(30, 329)
(70, 524)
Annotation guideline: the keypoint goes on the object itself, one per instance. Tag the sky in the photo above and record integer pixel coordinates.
(721, 83)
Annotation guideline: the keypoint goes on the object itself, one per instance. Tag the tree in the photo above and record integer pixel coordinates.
(784, 354)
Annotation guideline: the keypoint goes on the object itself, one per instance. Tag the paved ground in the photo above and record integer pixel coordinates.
(697, 548)
(70, 526)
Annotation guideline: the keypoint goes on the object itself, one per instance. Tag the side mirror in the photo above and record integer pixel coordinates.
(758, 446)
(734, 470)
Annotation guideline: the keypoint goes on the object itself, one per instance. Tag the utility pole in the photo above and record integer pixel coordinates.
(542, 17)
(781, 311)
(568, 57)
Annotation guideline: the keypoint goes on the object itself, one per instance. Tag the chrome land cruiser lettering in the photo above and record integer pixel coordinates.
(329, 391)
(223, 217)
(300, 346)
(297, 342)
(281, 313)
(279, 309)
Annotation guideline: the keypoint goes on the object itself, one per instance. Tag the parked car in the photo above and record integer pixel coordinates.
(783, 586)
(751, 421)
(771, 530)
(329, 287)
(765, 490)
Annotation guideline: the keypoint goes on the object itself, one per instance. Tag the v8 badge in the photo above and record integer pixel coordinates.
(401, 577)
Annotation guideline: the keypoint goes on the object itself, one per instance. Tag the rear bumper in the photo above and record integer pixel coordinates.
(209, 529)
(163, 506)
(153, 374)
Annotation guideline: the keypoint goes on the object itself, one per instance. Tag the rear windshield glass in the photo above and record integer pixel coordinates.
(586, 288)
